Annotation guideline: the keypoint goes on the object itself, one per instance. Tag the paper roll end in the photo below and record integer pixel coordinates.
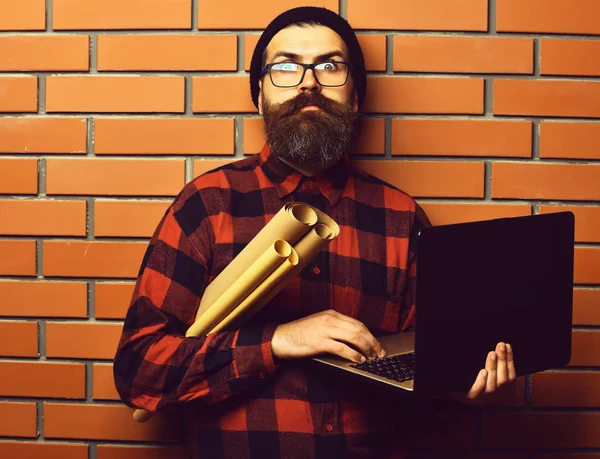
(141, 415)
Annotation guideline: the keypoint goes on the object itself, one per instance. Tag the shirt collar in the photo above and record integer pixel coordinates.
(286, 179)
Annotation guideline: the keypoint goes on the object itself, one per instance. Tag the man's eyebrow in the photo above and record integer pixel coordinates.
(294, 56)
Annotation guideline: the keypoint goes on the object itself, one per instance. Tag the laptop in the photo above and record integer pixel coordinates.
(480, 283)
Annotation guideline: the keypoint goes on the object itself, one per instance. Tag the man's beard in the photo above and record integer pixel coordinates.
(313, 138)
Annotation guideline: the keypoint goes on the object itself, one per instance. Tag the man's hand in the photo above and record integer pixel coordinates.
(326, 331)
(499, 370)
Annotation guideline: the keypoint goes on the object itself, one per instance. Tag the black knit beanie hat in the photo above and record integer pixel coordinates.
(322, 16)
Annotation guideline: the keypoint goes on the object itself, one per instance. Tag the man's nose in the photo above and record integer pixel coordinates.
(309, 82)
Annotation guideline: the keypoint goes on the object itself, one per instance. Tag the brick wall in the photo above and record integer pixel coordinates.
(108, 107)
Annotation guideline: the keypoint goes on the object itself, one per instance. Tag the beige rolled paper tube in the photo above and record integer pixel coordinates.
(141, 415)
(241, 287)
(238, 315)
(292, 222)
(307, 249)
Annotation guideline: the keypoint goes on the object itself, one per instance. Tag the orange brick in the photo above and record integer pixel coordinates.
(232, 14)
(18, 93)
(167, 52)
(586, 310)
(43, 135)
(370, 131)
(254, 135)
(568, 389)
(43, 299)
(221, 94)
(106, 422)
(569, 57)
(447, 214)
(18, 339)
(104, 383)
(18, 176)
(204, 165)
(82, 340)
(250, 41)
(173, 136)
(44, 217)
(42, 379)
(45, 450)
(463, 54)
(23, 15)
(587, 221)
(540, 430)
(374, 52)
(587, 266)
(547, 98)
(44, 52)
(583, 349)
(545, 181)
(17, 258)
(92, 258)
(131, 94)
(463, 15)
(128, 218)
(371, 136)
(461, 137)
(112, 299)
(140, 452)
(424, 95)
(373, 48)
(126, 177)
(548, 16)
(430, 178)
(18, 419)
(115, 14)
(569, 140)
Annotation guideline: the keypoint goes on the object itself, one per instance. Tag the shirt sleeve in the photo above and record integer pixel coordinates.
(419, 222)
(156, 367)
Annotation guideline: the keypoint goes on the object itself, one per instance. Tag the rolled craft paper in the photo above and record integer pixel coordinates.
(287, 243)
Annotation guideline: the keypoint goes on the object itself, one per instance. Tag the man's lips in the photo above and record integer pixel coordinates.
(309, 107)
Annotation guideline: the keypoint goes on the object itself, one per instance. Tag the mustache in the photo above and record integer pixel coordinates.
(292, 106)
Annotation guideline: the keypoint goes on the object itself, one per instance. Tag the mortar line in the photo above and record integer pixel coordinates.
(343, 7)
(93, 57)
(536, 57)
(49, 16)
(195, 15)
(492, 17)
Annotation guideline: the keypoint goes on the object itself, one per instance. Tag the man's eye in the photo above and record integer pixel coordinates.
(286, 67)
(327, 66)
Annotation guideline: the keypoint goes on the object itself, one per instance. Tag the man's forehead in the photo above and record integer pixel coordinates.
(307, 41)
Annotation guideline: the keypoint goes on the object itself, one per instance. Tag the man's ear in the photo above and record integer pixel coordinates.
(260, 111)
(355, 106)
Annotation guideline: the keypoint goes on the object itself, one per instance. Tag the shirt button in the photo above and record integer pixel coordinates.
(310, 183)
(316, 270)
(328, 427)
(261, 375)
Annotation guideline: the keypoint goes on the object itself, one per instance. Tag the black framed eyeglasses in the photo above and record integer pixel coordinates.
(290, 74)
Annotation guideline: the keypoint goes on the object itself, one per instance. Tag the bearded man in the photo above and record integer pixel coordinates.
(251, 392)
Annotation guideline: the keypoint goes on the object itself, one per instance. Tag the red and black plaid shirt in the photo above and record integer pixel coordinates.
(242, 403)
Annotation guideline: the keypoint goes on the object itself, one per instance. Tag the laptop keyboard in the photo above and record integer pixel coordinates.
(397, 367)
